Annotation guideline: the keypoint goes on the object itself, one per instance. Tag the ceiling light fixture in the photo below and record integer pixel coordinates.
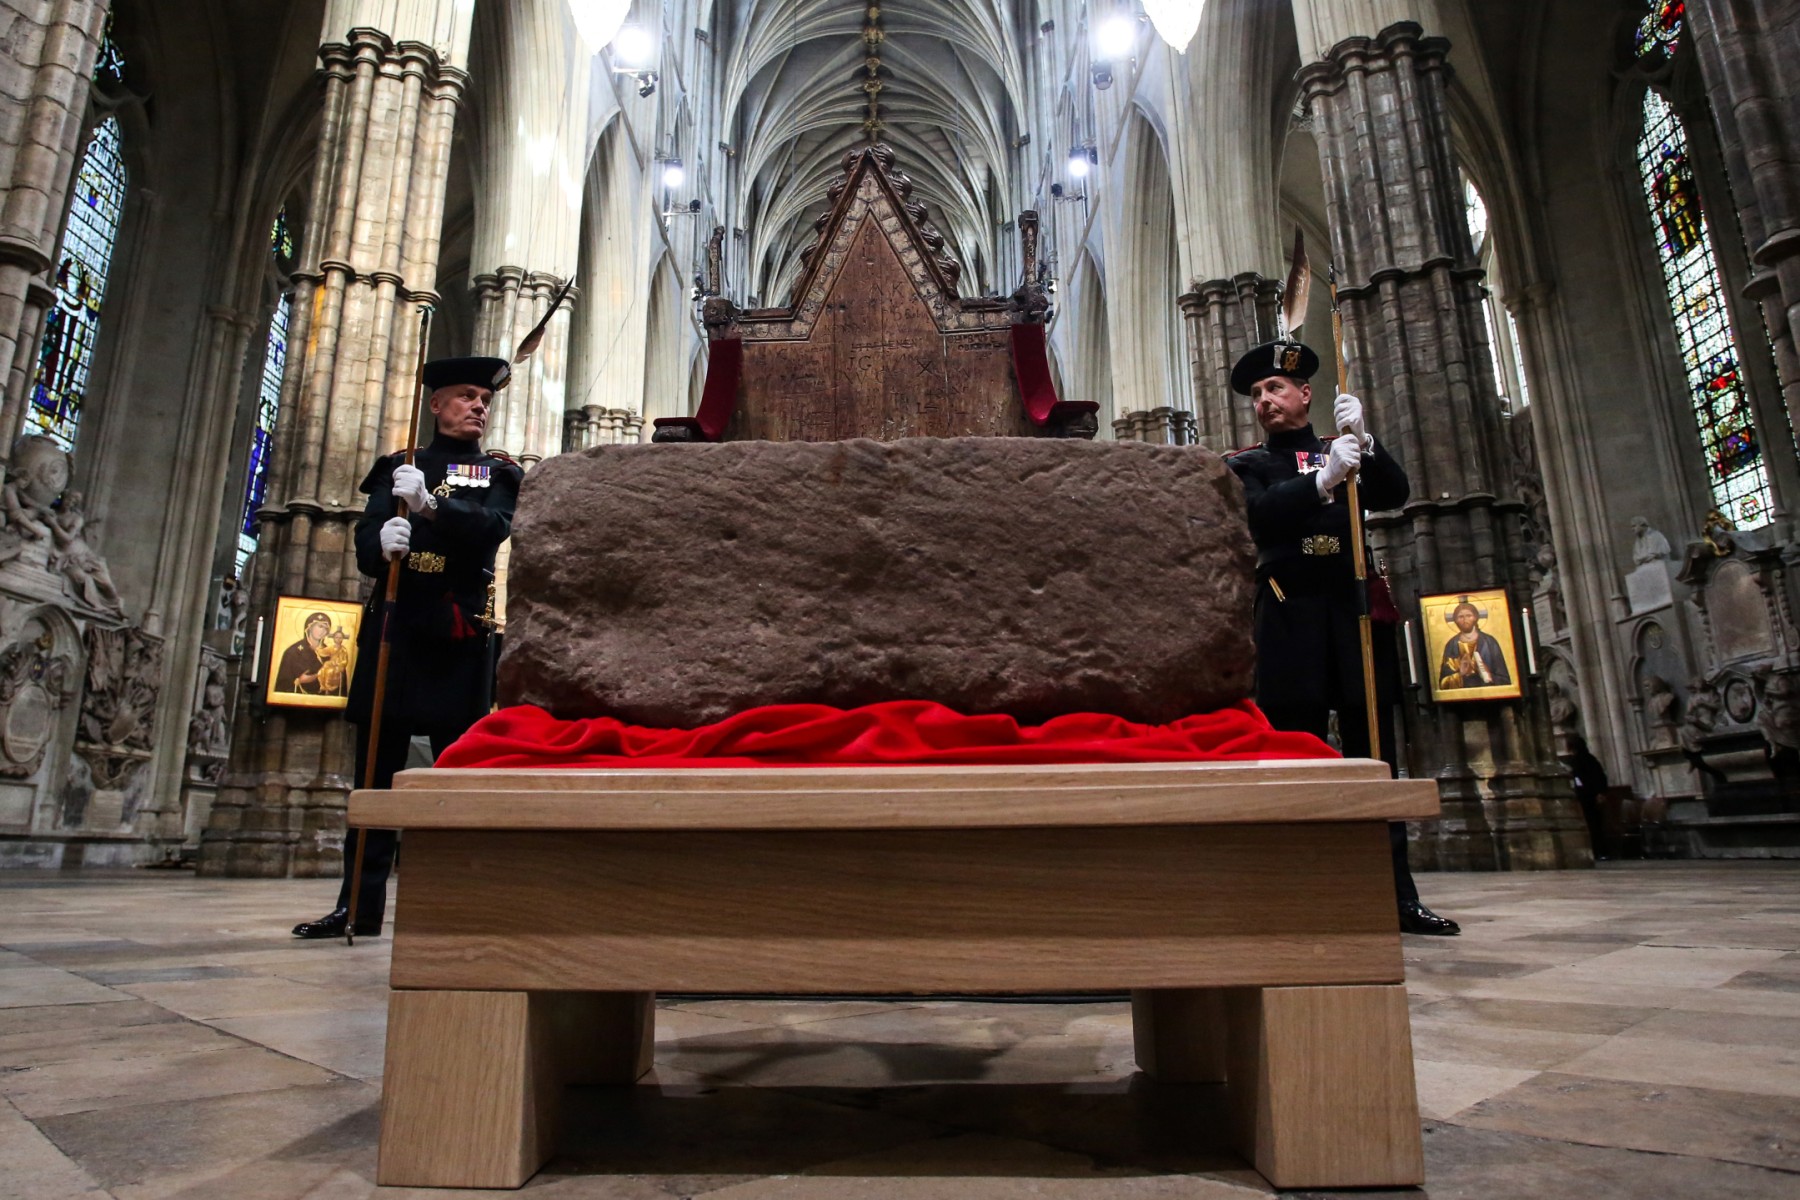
(633, 46)
(1176, 20)
(598, 21)
(673, 176)
(1115, 38)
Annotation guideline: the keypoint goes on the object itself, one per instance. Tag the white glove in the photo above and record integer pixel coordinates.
(1347, 412)
(409, 485)
(1345, 457)
(396, 536)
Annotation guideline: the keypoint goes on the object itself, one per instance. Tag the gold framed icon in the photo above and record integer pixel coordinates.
(312, 652)
(1472, 646)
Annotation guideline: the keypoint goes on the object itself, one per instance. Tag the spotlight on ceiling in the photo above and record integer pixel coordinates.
(598, 21)
(1115, 38)
(673, 175)
(1079, 162)
(633, 46)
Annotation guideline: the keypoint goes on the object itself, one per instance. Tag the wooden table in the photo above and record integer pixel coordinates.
(1248, 907)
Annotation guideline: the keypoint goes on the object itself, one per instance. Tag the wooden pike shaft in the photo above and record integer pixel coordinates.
(379, 700)
(1358, 558)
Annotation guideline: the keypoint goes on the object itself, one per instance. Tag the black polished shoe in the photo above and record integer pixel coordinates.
(1416, 918)
(332, 926)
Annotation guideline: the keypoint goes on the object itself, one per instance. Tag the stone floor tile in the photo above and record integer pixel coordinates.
(1701, 1123)
(1762, 1070)
(1737, 1030)
(705, 1130)
(21, 1051)
(993, 1167)
(34, 987)
(1480, 1164)
(783, 1012)
(1446, 1088)
(348, 1041)
(1603, 1019)
(1497, 1045)
(1666, 966)
(112, 1013)
(206, 1000)
(32, 1168)
(159, 1148)
(82, 1086)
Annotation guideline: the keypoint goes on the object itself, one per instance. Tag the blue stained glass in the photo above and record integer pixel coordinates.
(262, 437)
(72, 327)
(1734, 462)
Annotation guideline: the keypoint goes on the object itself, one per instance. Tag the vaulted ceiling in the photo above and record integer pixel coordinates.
(946, 82)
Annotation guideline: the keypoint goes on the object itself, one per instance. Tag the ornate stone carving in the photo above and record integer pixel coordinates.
(124, 675)
(1778, 715)
(35, 684)
(1702, 716)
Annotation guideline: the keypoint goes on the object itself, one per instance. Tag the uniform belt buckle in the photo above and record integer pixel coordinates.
(425, 562)
(1322, 543)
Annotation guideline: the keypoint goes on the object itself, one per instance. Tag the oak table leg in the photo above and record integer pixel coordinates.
(473, 1084)
(1321, 1085)
(1179, 1033)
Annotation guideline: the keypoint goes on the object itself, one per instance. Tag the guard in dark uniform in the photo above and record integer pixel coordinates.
(1308, 642)
(460, 505)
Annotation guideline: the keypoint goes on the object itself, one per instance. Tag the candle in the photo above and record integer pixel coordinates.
(256, 653)
(1530, 642)
(1412, 663)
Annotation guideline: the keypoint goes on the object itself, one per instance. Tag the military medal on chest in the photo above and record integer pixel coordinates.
(464, 475)
(1308, 461)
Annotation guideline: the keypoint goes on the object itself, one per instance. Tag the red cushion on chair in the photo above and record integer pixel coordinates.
(898, 732)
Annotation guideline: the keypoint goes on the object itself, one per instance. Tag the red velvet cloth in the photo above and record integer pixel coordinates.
(1031, 367)
(718, 399)
(897, 733)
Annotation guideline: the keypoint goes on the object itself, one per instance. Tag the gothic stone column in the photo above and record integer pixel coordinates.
(1749, 54)
(1224, 318)
(528, 415)
(597, 425)
(46, 59)
(1420, 359)
(368, 262)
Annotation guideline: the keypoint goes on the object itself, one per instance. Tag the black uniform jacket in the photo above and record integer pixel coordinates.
(439, 650)
(1308, 648)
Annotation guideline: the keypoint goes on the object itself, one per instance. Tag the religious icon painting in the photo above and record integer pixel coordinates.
(1472, 646)
(312, 652)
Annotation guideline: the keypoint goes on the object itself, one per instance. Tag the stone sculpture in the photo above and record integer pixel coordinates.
(1659, 712)
(1648, 544)
(36, 507)
(85, 571)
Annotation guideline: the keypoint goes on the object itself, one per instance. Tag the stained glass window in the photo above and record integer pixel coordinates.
(109, 64)
(1697, 299)
(281, 238)
(268, 402)
(1659, 33)
(72, 327)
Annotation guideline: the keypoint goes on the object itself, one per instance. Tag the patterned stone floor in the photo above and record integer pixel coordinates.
(1627, 1032)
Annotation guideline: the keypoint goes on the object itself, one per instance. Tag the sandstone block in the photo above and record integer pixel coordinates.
(675, 585)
